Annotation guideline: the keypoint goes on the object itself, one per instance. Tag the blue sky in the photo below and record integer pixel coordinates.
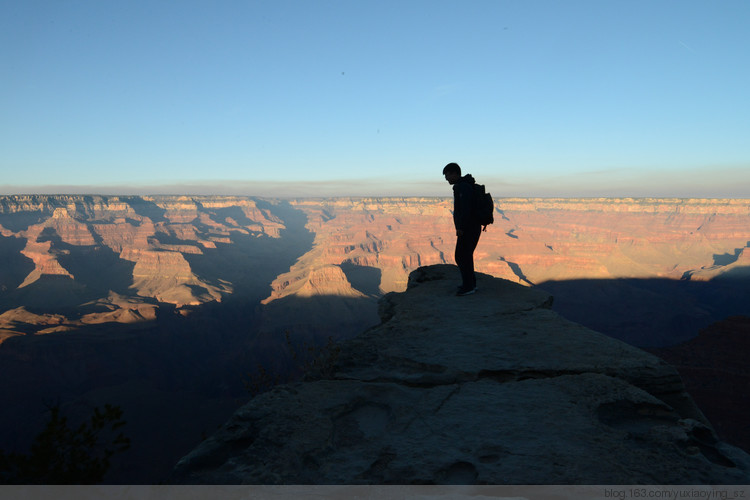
(316, 97)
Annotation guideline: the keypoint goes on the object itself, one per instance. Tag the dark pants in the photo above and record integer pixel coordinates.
(465, 245)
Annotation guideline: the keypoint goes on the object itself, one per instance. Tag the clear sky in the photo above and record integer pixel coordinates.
(321, 97)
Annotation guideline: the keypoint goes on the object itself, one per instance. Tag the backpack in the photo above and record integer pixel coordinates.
(484, 207)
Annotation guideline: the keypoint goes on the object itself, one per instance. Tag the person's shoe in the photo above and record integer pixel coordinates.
(461, 287)
(465, 291)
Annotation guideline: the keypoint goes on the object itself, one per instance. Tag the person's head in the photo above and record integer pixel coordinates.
(452, 173)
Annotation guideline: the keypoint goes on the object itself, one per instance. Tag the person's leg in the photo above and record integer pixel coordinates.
(465, 246)
(461, 260)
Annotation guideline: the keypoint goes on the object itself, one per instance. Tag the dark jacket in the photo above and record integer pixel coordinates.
(463, 201)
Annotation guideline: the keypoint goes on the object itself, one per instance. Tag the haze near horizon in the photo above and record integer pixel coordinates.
(330, 98)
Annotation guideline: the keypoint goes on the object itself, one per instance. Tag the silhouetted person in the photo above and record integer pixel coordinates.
(468, 228)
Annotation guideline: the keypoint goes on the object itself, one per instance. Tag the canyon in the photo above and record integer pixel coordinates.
(166, 304)
(163, 251)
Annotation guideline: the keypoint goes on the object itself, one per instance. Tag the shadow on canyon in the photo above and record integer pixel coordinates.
(251, 262)
(177, 378)
(21, 221)
(146, 208)
(702, 328)
(15, 265)
(651, 312)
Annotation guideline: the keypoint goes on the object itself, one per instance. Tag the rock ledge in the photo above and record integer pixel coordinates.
(492, 388)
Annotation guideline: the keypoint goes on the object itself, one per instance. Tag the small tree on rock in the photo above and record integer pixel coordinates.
(63, 455)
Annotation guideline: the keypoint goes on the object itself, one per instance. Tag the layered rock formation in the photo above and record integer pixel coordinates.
(143, 244)
(582, 249)
(241, 273)
(535, 240)
(362, 248)
(492, 388)
(392, 236)
(623, 238)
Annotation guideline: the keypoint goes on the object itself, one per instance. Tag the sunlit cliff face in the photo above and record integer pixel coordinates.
(534, 240)
(119, 258)
(186, 251)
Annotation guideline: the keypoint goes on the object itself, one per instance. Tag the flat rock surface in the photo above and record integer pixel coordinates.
(491, 388)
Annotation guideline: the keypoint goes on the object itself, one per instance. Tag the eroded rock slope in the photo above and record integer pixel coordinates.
(491, 388)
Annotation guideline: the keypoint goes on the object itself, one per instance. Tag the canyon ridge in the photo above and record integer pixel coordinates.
(167, 304)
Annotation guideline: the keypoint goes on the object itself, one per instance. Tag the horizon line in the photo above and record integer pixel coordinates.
(359, 197)
(717, 183)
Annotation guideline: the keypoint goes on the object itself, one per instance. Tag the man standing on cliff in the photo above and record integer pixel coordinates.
(468, 228)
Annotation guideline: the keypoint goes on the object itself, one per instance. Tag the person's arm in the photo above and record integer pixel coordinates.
(464, 196)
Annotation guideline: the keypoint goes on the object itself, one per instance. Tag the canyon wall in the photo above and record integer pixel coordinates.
(148, 303)
(115, 258)
(537, 240)
(166, 304)
(668, 266)
(129, 255)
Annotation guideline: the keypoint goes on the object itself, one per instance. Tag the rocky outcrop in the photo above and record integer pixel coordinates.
(105, 246)
(44, 258)
(167, 276)
(714, 367)
(323, 280)
(491, 388)
(19, 320)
